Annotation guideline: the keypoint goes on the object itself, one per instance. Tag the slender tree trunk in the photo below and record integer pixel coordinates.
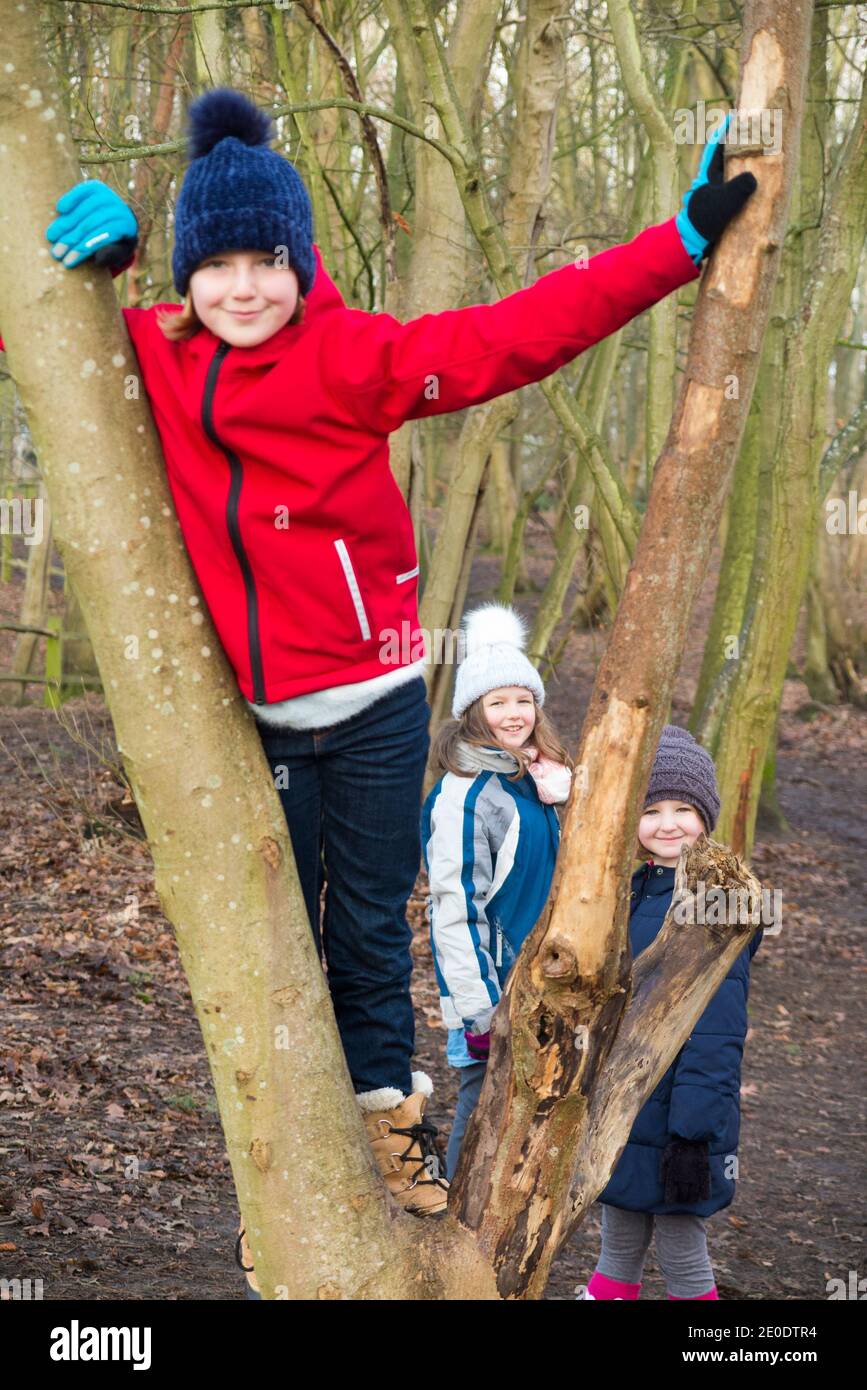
(753, 692)
(34, 605)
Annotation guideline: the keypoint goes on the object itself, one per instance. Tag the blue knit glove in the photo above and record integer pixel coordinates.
(709, 204)
(94, 222)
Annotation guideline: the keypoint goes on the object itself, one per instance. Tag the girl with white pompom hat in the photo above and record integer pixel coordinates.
(490, 836)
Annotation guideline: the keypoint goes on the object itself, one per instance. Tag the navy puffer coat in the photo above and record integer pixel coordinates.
(699, 1096)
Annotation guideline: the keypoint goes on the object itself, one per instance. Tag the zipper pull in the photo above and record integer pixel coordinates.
(498, 959)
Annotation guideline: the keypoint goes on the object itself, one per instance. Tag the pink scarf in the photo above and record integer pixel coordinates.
(553, 780)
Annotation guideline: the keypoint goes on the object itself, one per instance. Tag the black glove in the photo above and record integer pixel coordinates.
(685, 1172)
(116, 253)
(710, 202)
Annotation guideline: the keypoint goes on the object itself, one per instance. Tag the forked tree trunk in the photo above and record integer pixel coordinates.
(573, 1057)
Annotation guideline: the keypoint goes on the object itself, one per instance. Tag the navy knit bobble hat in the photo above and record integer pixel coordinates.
(684, 771)
(238, 194)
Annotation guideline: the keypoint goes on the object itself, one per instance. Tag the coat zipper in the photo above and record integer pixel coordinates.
(236, 472)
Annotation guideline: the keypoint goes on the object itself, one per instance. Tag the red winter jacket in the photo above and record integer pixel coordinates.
(277, 455)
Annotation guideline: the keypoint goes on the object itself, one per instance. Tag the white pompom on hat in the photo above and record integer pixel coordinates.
(495, 637)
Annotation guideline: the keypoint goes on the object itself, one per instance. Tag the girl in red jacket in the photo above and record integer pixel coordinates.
(274, 403)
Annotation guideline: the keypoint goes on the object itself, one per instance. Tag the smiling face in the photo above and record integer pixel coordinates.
(244, 296)
(665, 826)
(511, 714)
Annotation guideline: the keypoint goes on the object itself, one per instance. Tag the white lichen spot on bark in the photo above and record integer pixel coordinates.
(206, 651)
(207, 802)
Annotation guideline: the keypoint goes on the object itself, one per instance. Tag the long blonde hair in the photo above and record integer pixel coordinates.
(473, 728)
(177, 326)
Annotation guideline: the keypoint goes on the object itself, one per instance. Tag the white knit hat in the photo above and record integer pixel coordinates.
(494, 637)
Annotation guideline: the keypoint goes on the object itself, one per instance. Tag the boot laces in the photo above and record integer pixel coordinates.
(423, 1133)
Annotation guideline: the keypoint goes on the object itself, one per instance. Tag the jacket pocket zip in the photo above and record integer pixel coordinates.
(352, 585)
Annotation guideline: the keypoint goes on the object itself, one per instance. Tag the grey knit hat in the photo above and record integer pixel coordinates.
(684, 771)
(494, 637)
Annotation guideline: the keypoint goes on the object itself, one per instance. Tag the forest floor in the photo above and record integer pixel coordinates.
(114, 1181)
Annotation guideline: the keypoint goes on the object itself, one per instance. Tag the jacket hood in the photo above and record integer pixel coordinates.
(323, 298)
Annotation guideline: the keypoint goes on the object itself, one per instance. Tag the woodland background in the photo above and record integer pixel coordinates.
(113, 1175)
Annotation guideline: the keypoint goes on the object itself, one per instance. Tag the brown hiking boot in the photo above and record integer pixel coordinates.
(402, 1143)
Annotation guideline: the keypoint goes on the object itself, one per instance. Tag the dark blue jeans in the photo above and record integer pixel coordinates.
(352, 802)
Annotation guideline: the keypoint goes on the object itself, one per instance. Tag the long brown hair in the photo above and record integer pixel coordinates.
(187, 322)
(473, 728)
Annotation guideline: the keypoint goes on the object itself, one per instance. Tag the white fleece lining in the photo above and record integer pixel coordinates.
(387, 1097)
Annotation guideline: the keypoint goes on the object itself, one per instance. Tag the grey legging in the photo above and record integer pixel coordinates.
(681, 1249)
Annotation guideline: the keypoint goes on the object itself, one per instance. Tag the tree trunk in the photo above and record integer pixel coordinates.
(34, 606)
(755, 686)
(293, 1130)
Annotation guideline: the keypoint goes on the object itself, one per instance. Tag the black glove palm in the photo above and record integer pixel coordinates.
(685, 1172)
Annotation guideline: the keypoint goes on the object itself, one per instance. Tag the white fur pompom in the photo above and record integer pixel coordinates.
(494, 623)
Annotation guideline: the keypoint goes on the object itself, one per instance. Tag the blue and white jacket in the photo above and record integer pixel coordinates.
(490, 846)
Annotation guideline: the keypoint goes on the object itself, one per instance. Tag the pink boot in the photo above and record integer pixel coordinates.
(601, 1287)
(711, 1293)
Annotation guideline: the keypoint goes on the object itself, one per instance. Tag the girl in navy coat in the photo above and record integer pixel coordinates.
(679, 1164)
(490, 836)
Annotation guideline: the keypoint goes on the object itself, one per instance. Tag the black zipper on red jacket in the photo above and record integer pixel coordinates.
(236, 472)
